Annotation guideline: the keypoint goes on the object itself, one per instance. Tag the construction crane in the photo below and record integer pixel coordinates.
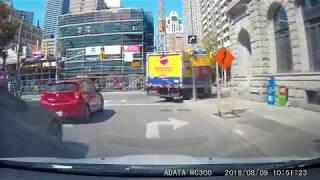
(162, 26)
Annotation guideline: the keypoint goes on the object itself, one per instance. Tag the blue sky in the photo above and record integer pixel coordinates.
(37, 6)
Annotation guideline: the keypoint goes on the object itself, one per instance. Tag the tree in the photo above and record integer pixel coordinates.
(209, 42)
(8, 29)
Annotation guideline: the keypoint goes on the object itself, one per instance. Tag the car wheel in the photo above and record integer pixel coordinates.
(86, 114)
(101, 105)
(170, 99)
(55, 131)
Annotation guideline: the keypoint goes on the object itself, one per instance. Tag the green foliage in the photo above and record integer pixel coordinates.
(7, 29)
(209, 42)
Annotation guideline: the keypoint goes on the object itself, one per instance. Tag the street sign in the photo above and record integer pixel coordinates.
(192, 39)
(224, 58)
(200, 61)
(128, 56)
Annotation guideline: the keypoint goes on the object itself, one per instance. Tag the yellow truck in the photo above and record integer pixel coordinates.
(169, 75)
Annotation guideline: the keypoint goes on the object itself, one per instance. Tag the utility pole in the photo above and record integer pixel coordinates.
(4, 55)
(18, 58)
(194, 88)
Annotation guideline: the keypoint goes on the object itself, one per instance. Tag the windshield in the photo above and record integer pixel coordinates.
(61, 87)
(160, 82)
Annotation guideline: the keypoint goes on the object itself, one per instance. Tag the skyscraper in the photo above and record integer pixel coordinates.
(215, 19)
(66, 7)
(26, 15)
(173, 23)
(77, 6)
(192, 19)
(174, 32)
(54, 8)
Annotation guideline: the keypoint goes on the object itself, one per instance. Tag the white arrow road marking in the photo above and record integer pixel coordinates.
(123, 101)
(152, 131)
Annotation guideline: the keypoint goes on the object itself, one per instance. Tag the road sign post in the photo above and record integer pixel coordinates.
(218, 88)
(223, 59)
(192, 39)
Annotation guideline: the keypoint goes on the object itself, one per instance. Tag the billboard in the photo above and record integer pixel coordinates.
(38, 54)
(95, 50)
(132, 48)
(165, 66)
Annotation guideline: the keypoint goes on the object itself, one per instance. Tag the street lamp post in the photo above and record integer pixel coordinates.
(18, 58)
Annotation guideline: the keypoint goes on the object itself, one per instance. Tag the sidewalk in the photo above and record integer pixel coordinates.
(304, 120)
(31, 98)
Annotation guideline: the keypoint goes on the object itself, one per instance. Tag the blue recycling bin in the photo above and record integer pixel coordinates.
(271, 91)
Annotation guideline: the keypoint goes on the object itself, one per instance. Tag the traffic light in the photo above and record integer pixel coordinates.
(102, 55)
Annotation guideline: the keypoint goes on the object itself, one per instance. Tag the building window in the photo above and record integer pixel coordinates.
(311, 15)
(282, 39)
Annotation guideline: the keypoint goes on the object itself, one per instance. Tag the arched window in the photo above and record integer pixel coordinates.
(311, 15)
(282, 39)
(245, 50)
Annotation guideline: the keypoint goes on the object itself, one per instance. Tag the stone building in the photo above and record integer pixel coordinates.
(279, 38)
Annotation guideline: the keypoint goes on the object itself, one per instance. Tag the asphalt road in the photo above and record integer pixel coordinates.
(134, 124)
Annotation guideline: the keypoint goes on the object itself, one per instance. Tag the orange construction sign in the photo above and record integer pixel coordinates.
(224, 58)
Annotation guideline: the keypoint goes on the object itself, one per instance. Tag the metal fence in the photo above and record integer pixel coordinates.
(120, 83)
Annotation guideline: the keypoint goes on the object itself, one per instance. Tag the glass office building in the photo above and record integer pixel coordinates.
(117, 32)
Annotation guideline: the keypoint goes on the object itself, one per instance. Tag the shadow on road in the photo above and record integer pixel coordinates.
(97, 117)
(30, 144)
(164, 101)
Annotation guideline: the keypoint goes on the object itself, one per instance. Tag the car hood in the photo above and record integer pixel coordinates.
(157, 160)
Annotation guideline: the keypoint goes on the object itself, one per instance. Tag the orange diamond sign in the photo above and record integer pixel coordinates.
(224, 58)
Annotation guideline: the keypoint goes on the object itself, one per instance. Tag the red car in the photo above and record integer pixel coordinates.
(72, 98)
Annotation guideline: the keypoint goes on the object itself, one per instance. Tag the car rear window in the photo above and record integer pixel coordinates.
(62, 87)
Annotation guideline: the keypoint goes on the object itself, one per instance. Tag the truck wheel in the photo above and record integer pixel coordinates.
(187, 94)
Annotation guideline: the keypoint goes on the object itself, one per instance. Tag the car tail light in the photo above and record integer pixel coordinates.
(77, 93)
